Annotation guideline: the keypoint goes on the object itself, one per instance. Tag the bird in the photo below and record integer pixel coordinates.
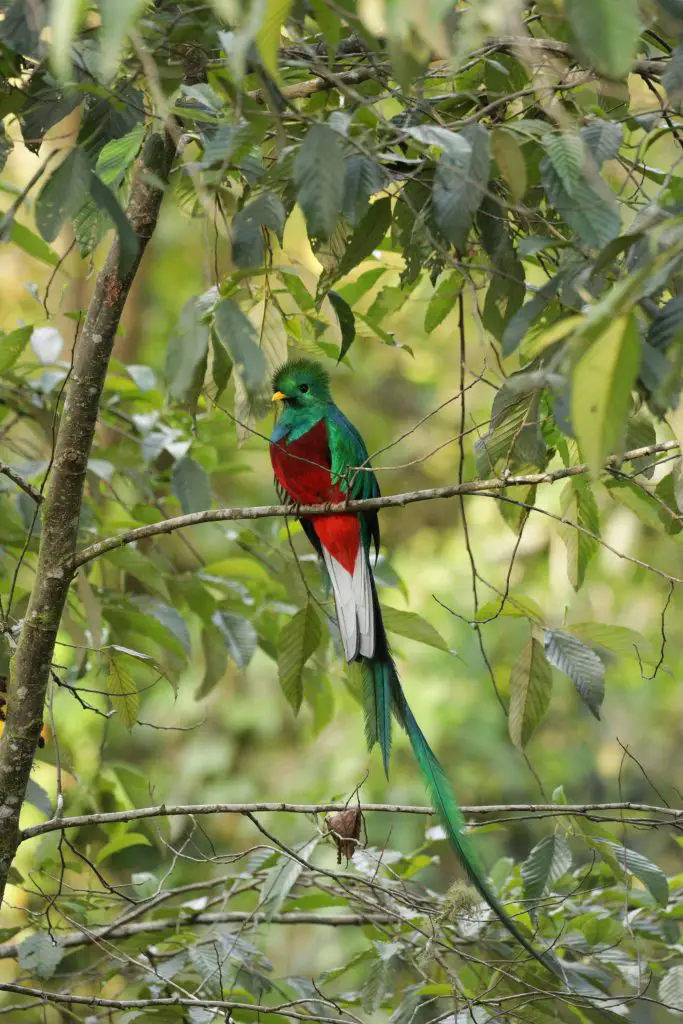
(319, 457)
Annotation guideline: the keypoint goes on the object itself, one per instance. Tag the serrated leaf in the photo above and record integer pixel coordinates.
(282, 878)
(443, 300)
(641, 433)
(579, 507)
(602, 381)
(265, 211)
(608, 43)
(191, 485)
(123, 692)
(580, 663)
(221, 366)
(651, 875)
(671, 989)
(347, 322)
(460, 185)
(63, 194)
(667, 326)
(591, 209)
(297, 641)
(239, 636)
(565, 152)
(363, 177)
(413, 626)
(548, 861)
(618, 640)
(40, 954)
(12, 345)
(32, 244)
(236, 332)
(530, 690)
(514, 437)
(602, 139)
(319, 179)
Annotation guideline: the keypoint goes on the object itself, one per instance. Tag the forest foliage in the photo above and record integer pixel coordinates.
(472, 214)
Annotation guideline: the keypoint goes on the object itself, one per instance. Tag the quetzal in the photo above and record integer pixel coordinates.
(316, 454)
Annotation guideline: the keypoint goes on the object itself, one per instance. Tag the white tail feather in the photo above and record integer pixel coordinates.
(353, 601)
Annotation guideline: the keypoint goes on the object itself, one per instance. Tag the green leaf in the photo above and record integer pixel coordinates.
(602, 381)
(367, 236)
(578, 505)
(565, 152)
(548, 861)
(117, 156)
(268, 35)
(282, 878)
(221, 366)
(118, 18)
(619, 640)
(671, 989)
(652, 876)
(187, 354)
(639, 501)
(40, 954)
(191, 485)
(123, 842)
(522, 321)
(319, 179)
(105, 199)
(460, 184)
(123, 692)
(531, 684)
(32, 244)
(363, 177)
(239, 636)
(606, 42)
(640, 433)
(507, 153)
(298, 640)
(250, 406)
(215, 661)
(414, 627)
(602, 139)
(443, 300)
(64, 19)
(12, 345)
(514, 437)
(63, 194)
(38, 798)
(347, 322)
(265, 211)
(236, 332)
(591, 210)
(580, 663)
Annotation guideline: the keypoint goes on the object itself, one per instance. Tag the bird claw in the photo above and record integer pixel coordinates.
(293, 508)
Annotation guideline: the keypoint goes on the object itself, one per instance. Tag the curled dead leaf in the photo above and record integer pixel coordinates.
(344, 827)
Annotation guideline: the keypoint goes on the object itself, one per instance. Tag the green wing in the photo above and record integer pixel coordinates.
(347, 454)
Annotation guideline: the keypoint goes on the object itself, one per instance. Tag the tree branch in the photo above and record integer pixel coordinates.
(26, 487)
(282, 1009)
(673, 814)
(10, 950)
(387, 501)
(30, 665)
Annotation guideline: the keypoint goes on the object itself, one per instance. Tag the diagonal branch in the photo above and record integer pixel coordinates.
(219, 515)
(26, 487)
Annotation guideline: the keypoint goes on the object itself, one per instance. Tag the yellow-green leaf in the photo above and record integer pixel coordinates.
(123, 692)
(601, 390)
(531, 683)
(268, 36)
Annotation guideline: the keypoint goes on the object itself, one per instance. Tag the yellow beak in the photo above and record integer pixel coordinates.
(278, 396)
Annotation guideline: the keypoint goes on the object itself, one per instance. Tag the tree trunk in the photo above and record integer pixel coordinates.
(30, 666)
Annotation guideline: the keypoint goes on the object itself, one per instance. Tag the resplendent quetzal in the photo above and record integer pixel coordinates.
(316, 453)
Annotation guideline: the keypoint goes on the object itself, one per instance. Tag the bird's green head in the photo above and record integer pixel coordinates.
(301, 384)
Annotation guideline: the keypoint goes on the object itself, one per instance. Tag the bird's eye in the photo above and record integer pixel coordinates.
(303, 388)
